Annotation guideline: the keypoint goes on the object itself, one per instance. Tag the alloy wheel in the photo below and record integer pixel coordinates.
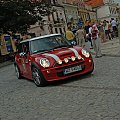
(36, 76)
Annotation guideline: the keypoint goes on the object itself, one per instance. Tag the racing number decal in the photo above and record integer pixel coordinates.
(23, 64)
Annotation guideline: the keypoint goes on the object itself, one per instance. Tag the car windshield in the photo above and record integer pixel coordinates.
(48, 43)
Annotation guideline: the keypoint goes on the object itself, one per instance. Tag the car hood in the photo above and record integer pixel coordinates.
(59, 53)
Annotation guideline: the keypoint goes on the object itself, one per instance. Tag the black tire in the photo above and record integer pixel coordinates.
(38, 77)
(18, 73)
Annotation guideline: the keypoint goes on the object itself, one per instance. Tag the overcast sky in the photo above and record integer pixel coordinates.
(118, 1)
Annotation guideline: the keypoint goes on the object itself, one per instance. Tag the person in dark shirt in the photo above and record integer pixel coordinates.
(86, 28)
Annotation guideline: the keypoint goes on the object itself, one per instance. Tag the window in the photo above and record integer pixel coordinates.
(110, 10)
(56, 30)
(48, 43)
(23, 47)
(60, 30)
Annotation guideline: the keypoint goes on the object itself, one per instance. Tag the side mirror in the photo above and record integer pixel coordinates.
(73, 43)
(22, 54)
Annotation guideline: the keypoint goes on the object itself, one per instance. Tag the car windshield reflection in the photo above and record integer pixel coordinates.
(48, 43)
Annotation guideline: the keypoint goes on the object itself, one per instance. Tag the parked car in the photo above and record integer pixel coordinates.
(50, 58)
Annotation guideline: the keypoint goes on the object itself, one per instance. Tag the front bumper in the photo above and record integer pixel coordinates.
(57, 73)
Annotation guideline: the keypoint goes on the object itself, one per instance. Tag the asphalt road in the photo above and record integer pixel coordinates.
(92, 97)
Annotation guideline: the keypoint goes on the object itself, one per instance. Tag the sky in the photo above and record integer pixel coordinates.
(118, 1)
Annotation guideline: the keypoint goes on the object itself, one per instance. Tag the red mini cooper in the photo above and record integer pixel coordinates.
(51, 58)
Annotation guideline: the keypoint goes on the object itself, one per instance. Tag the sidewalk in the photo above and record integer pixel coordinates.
(5, 64)
(110, 48)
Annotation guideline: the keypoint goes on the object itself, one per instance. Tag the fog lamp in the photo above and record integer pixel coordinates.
(73, 58)
(66, 60)
(59, 62)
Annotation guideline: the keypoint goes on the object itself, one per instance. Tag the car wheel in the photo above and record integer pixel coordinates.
(38, 77)
(17, 70)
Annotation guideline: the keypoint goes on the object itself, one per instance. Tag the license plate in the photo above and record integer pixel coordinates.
(72, 69)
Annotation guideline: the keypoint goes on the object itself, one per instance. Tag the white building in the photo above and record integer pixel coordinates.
(107, 10)
(54, 23)
(57, 20)
(71, 13)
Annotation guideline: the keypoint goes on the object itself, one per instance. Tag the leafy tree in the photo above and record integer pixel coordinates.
(18, 15)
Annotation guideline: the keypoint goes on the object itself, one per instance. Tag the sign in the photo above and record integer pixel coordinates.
(6, 44)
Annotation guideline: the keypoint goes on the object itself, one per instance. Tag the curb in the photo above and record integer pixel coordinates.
(5, 64)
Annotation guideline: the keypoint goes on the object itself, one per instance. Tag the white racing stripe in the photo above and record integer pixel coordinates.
(53, 56)
(75, 51)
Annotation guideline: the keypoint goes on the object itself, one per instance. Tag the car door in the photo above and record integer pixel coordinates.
(18, 57)
(25, 59)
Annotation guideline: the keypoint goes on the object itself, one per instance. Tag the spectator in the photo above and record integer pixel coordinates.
(95, 39)
(70, 36)
(80, 37)
(88, 38)
(106, 24)
(102, 32)
(110, 31)
(114, 27)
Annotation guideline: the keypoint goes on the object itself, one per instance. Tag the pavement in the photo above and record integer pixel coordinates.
(5, 64)
(109, 48)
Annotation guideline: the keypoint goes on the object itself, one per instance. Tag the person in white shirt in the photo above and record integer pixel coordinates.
(114, 27)
(95, 40)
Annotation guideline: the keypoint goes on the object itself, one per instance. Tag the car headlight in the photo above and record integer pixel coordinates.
(79, 57)
(44, 62)
(85, 53)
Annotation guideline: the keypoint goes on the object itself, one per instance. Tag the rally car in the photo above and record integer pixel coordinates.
(50, 58)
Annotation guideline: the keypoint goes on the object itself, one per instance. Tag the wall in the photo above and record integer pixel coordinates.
(106, 12)
(71, 12)
(103, 12)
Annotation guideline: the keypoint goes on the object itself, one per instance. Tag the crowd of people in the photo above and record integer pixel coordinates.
(92, 34)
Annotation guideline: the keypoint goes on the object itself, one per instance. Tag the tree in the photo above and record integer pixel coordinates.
(18, 15)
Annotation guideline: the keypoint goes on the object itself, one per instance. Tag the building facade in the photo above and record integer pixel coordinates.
(74, 11)
(71, 13)
(53, 23)
(105, 9)
(57, 20)
(85, 11)
(91, 11)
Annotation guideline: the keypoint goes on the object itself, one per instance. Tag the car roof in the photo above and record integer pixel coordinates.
(35, 38)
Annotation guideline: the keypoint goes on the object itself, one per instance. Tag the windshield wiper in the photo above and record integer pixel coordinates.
(39, 51)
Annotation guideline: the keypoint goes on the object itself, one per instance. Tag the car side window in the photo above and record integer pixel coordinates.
(23, 47)
(19, 48)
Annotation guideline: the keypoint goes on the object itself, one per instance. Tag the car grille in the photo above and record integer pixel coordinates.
(61, 73)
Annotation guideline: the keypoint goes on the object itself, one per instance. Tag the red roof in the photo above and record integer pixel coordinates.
(94, 3)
